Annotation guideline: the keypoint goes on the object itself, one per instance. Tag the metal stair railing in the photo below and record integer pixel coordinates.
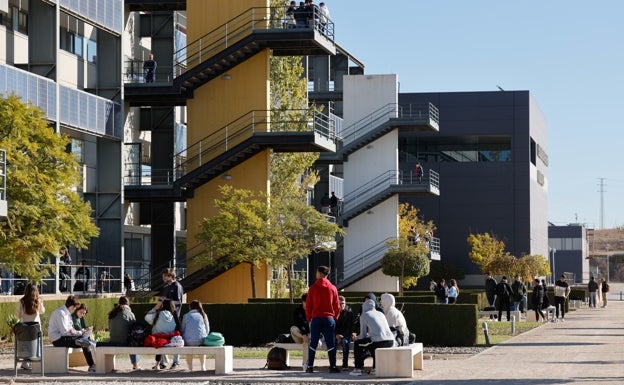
(252, 20)
(379, 117)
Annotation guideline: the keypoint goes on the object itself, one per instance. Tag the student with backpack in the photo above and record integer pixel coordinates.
(503, 292)
(120, 323)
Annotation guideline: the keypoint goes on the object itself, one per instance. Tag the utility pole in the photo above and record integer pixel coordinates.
(602, 191)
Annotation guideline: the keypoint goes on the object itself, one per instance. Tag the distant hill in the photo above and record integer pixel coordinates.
(606, 241)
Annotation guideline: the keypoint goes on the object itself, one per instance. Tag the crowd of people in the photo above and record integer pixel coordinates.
(307, 15)
(67, 326)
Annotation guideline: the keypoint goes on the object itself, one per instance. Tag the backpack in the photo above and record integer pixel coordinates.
(276, 359)
(137, 333)
(502, 290)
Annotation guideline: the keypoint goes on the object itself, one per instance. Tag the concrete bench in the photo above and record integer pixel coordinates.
(224, 355)
(60, 359)
(399, 361)
(303, 348)
(513, 313)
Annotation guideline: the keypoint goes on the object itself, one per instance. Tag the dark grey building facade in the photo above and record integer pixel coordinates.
(490, 153)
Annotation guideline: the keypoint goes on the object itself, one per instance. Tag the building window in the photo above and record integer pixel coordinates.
(455, 149)
(91, 51)
(73, 43)
(77, 148)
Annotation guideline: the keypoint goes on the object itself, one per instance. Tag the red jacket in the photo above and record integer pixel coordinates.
(322, 301)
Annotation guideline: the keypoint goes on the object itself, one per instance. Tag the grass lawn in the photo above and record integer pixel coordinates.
(501, 331)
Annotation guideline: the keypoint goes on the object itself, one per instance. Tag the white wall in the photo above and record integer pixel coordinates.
(364, 94)
(376, 282)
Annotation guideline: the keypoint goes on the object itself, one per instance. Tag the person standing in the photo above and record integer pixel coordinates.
(322, 309)
(65, 262)
(344, 329)
(374, 333)
(174, 292)
(441, 292)
(592, 288)
(453, 291)
(83, 275)
(490, 289)
(605, 289)
(519, 293)
(562, 290)
(333, 204)
(419, 171)
(323, 17)
(149, 69)
(29, 309)
(128, 283)
(503, 292)
(62, 333)
(538, 300)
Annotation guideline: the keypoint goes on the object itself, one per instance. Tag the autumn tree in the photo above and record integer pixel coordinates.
(238, 233)
(489, 254)
(407, 256)
(45, 210)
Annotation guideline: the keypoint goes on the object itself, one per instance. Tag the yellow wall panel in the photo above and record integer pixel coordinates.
(205, 15)
(233, 286)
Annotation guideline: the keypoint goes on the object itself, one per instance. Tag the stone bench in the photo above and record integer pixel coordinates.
(224, 355)
(288, 346)
(399, 361)
(60, 359)
(513, 313)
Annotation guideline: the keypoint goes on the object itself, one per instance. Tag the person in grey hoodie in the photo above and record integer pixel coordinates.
(395, 319)
(374, 333)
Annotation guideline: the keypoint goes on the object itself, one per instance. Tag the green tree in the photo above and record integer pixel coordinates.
(407, 256)
(238, 233)
(45, 211)
(530, 266)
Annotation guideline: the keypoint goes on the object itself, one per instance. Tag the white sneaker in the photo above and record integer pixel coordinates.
(92, 369)
(356, 372)
(305, 367)
(26, 365)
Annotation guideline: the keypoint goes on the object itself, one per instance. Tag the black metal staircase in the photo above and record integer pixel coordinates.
(223, 48)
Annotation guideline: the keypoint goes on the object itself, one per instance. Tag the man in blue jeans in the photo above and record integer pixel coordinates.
(322, 309)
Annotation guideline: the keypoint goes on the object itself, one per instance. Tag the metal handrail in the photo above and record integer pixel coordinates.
(383, 114)
(383, 182)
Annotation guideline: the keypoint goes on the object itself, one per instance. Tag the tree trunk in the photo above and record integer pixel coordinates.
(290, 286)
(401, 285)
(253, 280)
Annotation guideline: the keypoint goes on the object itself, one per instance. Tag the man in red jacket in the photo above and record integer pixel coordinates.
(322, 310)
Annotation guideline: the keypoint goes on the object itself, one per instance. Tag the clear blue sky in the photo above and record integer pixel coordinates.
(568, 54)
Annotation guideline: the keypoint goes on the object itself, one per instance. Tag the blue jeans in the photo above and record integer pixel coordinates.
(346, 342)
(327, 326)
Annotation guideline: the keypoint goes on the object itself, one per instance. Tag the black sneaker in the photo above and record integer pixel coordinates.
(175, 365)
(334, 369)
(309, 369)
(345, 366)
(162, 366)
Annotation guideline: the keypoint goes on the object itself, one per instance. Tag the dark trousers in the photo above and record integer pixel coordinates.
(560, 302)
(327, 326)
(70, 342)
(538, 311)
(362, 345)
(503, 303)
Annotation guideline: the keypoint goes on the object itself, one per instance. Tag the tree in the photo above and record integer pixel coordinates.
(489, 254)
(238, 233)
(530, 266)
(407, 257)
(45, 212)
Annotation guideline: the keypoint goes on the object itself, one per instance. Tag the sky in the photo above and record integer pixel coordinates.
(568, 54)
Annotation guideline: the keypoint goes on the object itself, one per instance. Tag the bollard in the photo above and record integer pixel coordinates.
(513, 325)
(486, 334)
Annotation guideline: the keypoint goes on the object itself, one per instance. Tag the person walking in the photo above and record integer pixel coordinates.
(605, 289)
(538, 300)
(490, 289)
(592, 288)
(322, 309)
(562, 290)
(519, 293)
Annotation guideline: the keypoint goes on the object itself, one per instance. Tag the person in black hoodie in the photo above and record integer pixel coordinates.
(538, 300)
(344, 329)
(503, 292)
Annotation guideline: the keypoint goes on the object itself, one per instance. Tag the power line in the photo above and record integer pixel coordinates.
(602, 191)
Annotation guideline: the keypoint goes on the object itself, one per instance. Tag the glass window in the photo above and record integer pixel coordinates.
(78, 45)
(77, 148)
(91, 51)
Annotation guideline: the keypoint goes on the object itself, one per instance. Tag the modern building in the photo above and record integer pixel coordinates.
(569, 253)
(491, 155)
(64, 56)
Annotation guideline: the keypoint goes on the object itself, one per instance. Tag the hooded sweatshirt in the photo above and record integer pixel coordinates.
(322, 301)
(164, 324)
(373, 324)
(394, 316)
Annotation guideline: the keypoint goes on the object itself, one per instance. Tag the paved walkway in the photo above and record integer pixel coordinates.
(588, 348)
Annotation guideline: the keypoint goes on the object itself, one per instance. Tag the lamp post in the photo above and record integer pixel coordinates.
(552, 273)
(608, 247)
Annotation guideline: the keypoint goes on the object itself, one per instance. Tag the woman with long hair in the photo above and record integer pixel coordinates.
(453, 291)
(195, 327)
(29, 309)
(164, 319)
(119, 320)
